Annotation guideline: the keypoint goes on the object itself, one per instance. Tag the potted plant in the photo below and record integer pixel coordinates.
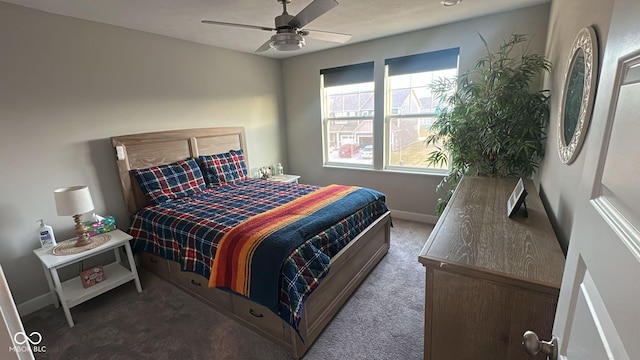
(491, 122)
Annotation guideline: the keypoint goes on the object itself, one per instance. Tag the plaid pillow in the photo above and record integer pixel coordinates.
(221, 169)
(172, 181)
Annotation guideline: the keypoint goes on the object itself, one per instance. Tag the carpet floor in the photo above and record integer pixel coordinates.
(382, 320)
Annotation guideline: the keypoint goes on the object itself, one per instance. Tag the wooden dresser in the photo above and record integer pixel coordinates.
(489, 278)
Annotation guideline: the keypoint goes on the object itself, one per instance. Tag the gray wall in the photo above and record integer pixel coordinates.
(411, 194)
(68, 85)
(558, 181)
(554, 27)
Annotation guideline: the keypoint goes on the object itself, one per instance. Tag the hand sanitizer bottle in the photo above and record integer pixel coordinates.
(280, 169)
(45, 233)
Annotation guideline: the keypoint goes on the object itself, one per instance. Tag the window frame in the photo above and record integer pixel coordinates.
(382, 114)
(389, 117)
(342, 76)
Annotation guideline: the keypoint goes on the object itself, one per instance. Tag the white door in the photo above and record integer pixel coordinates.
(14, 343)
(598, 314)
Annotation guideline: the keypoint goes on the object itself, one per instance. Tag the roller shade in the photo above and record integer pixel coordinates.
(350, 74)
(431, 61)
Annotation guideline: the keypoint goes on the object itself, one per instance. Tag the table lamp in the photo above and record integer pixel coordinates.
(75, 201)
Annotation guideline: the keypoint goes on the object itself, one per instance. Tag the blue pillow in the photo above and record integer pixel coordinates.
(172, 181)
(221, 169)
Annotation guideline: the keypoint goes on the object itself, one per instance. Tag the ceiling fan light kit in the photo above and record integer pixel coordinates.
(450, 2)
(287, 42)
(289, 30)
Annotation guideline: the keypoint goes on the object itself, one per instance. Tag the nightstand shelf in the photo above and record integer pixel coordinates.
(77, 294)
(71, 292)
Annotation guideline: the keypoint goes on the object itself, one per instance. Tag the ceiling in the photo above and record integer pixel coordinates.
(364, 19)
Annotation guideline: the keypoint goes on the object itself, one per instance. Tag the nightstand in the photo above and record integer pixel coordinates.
(71, 292)
(285, 178)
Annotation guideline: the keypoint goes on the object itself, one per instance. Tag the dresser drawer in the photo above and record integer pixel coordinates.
(258, 315)
(199, 285)
(155, 264)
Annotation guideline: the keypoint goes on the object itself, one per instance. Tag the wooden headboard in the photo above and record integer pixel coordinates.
(164, 147)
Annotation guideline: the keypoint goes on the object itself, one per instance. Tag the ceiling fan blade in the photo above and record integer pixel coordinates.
(312, 12)
(211, 22)
(326, 36)
(266, 46)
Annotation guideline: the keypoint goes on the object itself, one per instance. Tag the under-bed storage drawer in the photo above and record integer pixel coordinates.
(199, 285)
(155, 264)
(260, 316)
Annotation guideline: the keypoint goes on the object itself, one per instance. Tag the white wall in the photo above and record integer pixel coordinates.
(68, 85)
(558, 181)
(410, 193)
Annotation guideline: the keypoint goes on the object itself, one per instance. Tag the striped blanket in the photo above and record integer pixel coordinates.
(250, 256)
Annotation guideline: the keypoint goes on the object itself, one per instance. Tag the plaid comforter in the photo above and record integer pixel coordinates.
(189, 230)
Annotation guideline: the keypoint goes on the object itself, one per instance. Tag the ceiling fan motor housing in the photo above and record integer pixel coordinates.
(282, 21)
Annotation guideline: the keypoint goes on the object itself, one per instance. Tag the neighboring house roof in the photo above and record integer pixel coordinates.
(365, 126)
(425, 102)
(401, 103)
(399, 99)
(362, 126)
(367, 101)
(339, 126)
(352, 102)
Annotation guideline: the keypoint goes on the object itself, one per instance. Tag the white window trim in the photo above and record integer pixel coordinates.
(384, 126)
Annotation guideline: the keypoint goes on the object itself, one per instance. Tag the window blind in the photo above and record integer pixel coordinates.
(349, 74)
(430, 61)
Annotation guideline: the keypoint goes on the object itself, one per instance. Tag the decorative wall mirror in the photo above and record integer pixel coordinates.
(577, 95)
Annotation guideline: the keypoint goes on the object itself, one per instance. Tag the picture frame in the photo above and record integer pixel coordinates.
(517, 200)
(92, 276)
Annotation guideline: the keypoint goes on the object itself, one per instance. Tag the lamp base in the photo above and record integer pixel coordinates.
(83, 239)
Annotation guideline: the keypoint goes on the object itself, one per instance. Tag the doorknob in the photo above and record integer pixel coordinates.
(533, 345)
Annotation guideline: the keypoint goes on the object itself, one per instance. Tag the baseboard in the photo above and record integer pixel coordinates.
(35, 304)
(422, 218)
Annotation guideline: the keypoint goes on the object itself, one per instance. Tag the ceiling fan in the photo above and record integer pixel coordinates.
(290, 32)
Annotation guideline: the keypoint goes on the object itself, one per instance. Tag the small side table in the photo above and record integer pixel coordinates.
(71, 292)
(285, 178)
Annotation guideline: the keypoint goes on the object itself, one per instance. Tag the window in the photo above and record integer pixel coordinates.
(347, 108)
(410, 107)
(348, 112)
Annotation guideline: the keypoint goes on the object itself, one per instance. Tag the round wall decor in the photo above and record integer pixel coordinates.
(578, 94)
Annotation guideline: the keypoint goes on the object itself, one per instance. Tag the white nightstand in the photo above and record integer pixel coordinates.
(71, 292)
(285, 178)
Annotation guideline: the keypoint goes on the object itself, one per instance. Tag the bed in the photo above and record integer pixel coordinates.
(347, 268)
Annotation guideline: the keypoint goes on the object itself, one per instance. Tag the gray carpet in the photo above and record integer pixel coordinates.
(382, 320)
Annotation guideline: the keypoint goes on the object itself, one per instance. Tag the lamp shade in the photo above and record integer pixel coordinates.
(73, 200)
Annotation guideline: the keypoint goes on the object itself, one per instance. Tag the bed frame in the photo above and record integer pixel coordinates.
(348, 268)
